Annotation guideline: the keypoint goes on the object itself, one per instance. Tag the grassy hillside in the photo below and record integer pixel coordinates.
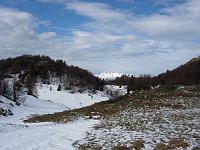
(160, 118)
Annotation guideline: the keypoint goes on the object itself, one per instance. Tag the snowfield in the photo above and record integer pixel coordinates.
(31, 106)
(15, 134)
(43, 136)
(71, 101)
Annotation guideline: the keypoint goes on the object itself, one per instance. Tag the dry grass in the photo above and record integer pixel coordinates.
(137, 145)
(121, 148)
(161, 146)
(86, 147)
(176, 143)
(150, 99)
(173, 112)
(196, 148)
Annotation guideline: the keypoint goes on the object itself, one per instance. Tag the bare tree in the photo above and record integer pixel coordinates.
(17, 92)
(4, 88)
(30, 85)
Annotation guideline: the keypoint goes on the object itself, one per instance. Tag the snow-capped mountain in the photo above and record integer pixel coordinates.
(109, 76)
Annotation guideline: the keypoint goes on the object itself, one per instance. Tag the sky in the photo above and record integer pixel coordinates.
(126, 36)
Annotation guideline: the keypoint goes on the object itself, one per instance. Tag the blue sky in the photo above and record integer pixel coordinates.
(128, 36)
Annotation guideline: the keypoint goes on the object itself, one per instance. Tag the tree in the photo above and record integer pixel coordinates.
(30, 85)
(17, 92)
(4, 88)
(59, 88)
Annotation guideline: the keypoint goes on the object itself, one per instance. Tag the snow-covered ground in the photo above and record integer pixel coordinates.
(153, 127)
(43, 136)
(115, 91)
(15, 134)
(71, 101)
(31, 106)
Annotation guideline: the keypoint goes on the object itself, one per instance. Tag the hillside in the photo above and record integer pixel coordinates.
(186, 74)
(44, 68)
(19, 76)
(156, 119)
(151, 113)
(15, 134)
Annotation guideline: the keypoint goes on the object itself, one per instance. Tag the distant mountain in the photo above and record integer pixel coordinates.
(109, 76)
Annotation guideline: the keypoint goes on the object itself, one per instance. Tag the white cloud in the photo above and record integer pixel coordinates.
(96, 11)
(18, 35)
(179, 22)
(47, 35)
(112, 40)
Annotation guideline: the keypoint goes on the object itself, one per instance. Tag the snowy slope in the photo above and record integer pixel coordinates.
(43, 136)
(49, 101)
(31, 106)
(15, 134)
(71, 101)
(109, 76)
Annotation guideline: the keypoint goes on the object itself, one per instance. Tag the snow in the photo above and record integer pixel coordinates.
(15, 134)
(109, 76)
(132, 125)
(31, 106)
(43, 136)
(71, 101)
(49, 101)
(114, 89)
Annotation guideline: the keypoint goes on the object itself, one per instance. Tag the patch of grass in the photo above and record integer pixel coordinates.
(196, 148)
(85, 147)
(120, 148)
(137, 145)
(176, 143)
(161, 146)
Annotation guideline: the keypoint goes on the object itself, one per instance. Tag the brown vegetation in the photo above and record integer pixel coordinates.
(149, 99)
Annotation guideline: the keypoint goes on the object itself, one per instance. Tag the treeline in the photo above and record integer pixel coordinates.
(32, 69)
(34, 65)
(186, 74)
